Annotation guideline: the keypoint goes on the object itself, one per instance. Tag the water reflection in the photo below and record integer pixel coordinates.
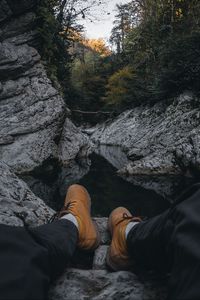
(51, 184)
(168, 187)
(144, 196)
(109, 191)
(113, 154)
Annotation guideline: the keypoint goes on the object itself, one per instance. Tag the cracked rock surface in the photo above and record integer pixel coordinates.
(161, 142)
(34, 123)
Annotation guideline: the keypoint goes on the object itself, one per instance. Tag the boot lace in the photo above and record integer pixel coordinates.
(127, 217)
(62, 212)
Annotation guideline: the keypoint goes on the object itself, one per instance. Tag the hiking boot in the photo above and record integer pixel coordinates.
(78, 203)
(117, 256)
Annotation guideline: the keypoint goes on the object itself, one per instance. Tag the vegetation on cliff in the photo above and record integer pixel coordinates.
(155, 53)
(159, 41)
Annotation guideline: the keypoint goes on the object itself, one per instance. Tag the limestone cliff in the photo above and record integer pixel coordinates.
(34, 126)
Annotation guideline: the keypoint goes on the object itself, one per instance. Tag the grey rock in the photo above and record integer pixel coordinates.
(18, 205)
(101, 285)
(18, 25)
(113, 154)
(159, 141)
(5, 11)
(34, 126)
(73, 142)
(35, 129)
(99, 262)
(54, 194)
(102, 226)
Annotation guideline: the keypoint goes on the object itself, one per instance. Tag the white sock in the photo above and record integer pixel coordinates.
(71, 218)
(129, 227)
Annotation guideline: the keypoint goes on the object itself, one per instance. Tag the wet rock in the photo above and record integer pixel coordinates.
(169, 187)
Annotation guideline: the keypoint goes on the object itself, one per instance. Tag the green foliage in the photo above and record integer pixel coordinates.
(53, 46)
(118, 88)
(156, 53)
(89, 75)
(180, 65)
(162, 47)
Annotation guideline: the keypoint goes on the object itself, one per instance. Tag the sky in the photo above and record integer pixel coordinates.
(101, 27)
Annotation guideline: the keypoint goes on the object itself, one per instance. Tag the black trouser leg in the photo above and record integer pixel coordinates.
(60, 239)
(29, 259)
(171, 241)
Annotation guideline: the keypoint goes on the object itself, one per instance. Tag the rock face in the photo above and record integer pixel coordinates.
(101, 284)
(33, 123)
(158, 140)
(163, 140)
(19, 206)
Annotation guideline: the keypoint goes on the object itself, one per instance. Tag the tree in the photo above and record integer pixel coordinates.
(118, 88)
(89, 74)
(161, 46)
(125, 20)
(57, 19)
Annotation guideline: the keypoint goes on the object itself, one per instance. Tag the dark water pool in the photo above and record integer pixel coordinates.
(107, 189)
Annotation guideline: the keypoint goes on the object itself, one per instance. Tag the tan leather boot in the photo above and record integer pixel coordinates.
(78, 203)
(117, 256)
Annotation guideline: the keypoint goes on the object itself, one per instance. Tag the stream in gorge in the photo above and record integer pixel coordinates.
(107, 189)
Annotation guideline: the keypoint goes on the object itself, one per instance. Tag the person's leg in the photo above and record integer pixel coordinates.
(31, 258)
(27, 263)
(148, 243)
(60, 239)
(170, 241)
(73, 227)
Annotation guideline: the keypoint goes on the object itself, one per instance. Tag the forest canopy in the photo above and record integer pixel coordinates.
(153, 53)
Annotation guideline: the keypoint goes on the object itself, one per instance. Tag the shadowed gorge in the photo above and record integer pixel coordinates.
(119, 116)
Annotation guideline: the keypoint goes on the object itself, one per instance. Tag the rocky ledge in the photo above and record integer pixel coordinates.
(34, 120)
(160, 141)
(19, 206)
